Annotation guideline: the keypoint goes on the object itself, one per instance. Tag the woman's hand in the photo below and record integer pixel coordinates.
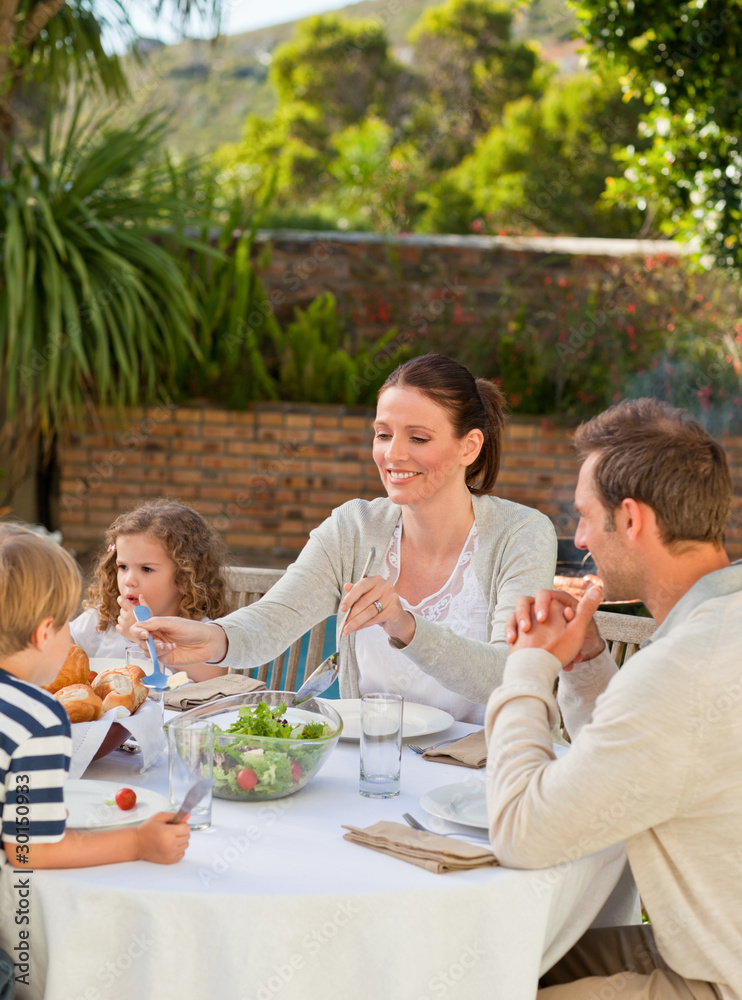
(362, 597)
(180, 641)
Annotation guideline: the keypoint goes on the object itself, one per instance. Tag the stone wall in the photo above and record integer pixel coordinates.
(265, 477)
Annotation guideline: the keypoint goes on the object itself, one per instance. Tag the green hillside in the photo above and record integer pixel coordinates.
(211, 86)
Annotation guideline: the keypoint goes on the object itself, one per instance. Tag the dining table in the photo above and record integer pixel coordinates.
(271, 902)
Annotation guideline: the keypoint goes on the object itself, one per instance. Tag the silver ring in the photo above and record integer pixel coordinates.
(379, 607)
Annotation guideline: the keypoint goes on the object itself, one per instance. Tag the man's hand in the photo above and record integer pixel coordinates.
(556, 622)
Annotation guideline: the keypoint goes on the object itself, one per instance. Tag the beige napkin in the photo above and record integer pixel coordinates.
(427, 850)
(469, 751)
(193, 695)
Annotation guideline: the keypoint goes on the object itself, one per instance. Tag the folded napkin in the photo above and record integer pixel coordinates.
(427, 850)
(145, 726)
(193, 695)
(469, 751)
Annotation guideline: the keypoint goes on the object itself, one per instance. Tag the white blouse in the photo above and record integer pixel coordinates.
(459, 604)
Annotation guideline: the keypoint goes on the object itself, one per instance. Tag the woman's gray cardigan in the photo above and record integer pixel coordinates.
(516, 555)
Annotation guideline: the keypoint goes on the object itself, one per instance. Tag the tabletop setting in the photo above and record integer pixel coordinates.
(306, 855)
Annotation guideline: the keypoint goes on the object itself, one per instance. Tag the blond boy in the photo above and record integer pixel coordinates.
(39, 592)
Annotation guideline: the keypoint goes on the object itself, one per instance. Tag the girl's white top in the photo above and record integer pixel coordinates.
(460, 604)
(109, 643)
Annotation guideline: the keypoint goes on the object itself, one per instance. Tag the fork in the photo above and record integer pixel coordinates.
(417, 825)
(443, 743)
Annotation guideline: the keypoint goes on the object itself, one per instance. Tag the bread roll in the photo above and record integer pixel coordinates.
(140, 695)
(115, 689)
(74, 670)
(81, 703)
(104, 682)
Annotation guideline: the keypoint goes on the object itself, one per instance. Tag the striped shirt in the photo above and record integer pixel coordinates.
(35, 749)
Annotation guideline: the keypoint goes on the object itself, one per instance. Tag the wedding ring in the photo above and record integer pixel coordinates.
(379, 607)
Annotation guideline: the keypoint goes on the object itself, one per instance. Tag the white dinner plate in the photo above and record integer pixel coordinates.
(463, 802)
(86, 803)
(417, 720)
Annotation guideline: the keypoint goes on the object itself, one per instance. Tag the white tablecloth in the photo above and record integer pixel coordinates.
(273, 902)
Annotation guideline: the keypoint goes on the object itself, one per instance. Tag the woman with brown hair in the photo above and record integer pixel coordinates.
(450, 557)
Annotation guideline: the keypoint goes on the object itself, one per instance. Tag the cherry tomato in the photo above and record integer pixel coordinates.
(247, 779)
(295, 771)
(92, 674)
(126, 798)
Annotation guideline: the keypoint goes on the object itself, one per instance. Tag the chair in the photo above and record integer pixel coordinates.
(623, 633)
(247, 584)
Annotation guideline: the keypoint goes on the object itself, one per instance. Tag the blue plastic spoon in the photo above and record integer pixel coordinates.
(157, 679)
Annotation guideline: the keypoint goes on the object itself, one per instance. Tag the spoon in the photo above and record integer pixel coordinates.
(327, 671)
(157, 679)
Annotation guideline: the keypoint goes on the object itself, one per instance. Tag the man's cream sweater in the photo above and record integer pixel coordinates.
(656, 760)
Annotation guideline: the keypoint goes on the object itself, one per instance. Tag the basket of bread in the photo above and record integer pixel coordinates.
(105, 709)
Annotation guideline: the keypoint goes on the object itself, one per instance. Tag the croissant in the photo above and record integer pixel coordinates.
(74, 670)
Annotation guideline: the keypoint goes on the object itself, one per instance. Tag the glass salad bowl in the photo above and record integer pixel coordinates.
(270, 752)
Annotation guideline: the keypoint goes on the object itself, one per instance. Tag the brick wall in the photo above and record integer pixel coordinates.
(423, 284)
(265, 477)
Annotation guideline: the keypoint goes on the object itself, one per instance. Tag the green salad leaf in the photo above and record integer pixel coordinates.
(262, 720)
(245, 771)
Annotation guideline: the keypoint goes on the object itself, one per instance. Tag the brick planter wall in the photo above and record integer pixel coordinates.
(422, 284)
(266, 476)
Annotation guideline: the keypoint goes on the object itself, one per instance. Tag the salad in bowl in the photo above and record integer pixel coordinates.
(264, 748)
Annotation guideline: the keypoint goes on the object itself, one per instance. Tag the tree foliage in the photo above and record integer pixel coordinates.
(468, 68)
(91, 307)
(683, 59)
(545, 167)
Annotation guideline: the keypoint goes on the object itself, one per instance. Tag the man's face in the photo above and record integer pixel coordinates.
(602, 533)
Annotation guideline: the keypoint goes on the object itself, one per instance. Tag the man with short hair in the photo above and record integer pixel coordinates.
(656, 756)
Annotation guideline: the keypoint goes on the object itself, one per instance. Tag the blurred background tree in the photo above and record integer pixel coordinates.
(683, 60)
(545, 167)
(467, 69)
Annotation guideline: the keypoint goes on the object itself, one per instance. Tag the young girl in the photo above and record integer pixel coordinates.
(162, 554)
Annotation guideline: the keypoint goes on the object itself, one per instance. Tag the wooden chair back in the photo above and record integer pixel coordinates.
(247, 584)
(623, 633)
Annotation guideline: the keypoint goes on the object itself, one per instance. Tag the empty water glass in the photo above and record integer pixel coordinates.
(381, 744)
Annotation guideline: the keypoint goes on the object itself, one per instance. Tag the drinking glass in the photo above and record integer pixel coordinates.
(191, 757)
(381, 744)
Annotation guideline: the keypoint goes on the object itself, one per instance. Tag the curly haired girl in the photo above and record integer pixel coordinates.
(161, 554)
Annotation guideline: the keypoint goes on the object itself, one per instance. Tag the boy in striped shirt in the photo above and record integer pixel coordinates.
(39, 593)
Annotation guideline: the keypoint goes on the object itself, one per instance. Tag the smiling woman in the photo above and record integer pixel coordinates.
(451, 557)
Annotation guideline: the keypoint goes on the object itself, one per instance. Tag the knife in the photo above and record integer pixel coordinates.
(193, 796)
